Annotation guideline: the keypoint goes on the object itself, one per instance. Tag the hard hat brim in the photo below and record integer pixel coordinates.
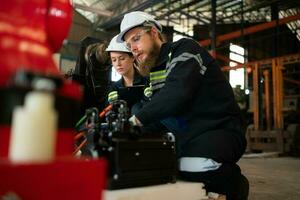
(135, 19)
(116, 46)
(121, 35)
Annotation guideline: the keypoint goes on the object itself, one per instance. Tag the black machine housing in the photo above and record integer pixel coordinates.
(135, 158)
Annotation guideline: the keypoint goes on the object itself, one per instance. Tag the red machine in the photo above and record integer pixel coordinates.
(63, 179)
(30, 31)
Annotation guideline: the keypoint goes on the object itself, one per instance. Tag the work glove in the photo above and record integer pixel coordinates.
(135, 121)
(113, 96)
(148, 92)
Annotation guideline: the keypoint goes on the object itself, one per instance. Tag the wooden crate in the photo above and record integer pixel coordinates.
(268, 140)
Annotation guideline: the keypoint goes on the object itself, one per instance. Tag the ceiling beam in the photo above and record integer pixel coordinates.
(183, 6)
(252, 29)
(117, 19)
(97, 11)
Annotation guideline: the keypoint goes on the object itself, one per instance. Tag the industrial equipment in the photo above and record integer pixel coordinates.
(26, 47)
(135, 158)
(272, 130)
(30, 31)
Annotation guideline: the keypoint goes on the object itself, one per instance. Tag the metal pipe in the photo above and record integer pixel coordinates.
(252, 29)
(287, 59)
(280, 94)
(275, 93)
(267, 98)
(213, 28)
(255, 98)
(291, 81)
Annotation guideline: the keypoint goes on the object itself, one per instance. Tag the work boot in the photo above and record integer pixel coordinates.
(226, 180)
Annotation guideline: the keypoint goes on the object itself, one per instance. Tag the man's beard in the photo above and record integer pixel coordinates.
(145, 66)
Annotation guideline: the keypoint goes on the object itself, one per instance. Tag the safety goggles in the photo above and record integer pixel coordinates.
(136, 38)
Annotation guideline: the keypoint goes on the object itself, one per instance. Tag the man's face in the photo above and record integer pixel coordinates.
(142, 44)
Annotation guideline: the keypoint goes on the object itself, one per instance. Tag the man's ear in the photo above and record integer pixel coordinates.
(154, 31)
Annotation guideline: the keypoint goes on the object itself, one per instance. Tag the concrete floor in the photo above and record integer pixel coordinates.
(272, 178)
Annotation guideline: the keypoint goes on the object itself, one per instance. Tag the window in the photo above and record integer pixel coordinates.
(237, 76)
(115, 76)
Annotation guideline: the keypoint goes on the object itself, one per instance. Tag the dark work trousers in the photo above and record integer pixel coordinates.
(226, 180)
(226, 148)
(222, 146)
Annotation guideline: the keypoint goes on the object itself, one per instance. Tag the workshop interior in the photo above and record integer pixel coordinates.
(60, 139)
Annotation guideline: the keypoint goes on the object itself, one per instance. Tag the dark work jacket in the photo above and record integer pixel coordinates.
(138, 80)
(188, 84)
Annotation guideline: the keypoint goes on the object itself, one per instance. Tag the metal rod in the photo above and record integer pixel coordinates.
(280, 93)
(213, 28)
(252, 29)
(275, 85)
(287, 59)
(267, 98)
(291, 81)
(255, 98)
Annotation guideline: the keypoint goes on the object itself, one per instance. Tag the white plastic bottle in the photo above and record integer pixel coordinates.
(34, 126)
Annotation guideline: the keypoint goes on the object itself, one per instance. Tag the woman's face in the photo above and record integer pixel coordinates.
(122, 62)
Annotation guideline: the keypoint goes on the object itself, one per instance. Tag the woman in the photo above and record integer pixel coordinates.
(131, 85)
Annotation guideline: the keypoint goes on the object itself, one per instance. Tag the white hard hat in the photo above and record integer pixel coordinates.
(114, 45)
(134, 19)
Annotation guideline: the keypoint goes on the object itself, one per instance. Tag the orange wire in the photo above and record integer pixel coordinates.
(79, 135)
(108, 108)
(80, 146)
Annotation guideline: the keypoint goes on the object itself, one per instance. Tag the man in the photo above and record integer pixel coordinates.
(193, 99)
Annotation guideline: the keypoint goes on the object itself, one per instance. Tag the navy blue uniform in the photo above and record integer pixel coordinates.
(133, 96)
(189, 86)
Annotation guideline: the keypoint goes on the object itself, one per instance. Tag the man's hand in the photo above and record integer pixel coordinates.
(135, 121)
